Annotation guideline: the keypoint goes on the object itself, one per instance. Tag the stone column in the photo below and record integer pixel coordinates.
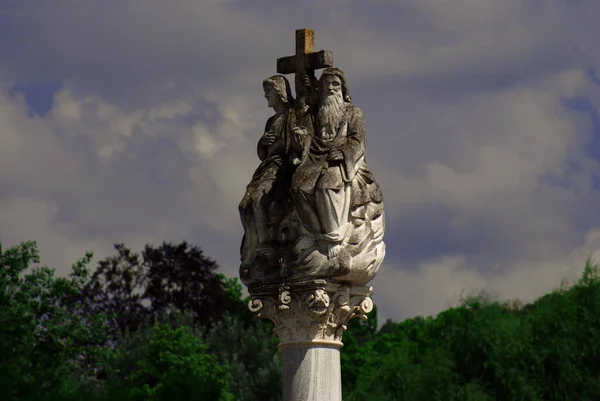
(310, 317)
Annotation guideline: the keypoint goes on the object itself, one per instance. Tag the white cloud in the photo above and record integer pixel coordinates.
(24, 219)
(439, 283)
(32, 159)
(205, 143)
(66, 108)
(503, 145)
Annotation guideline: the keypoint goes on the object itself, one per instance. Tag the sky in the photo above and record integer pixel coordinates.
(136, 121)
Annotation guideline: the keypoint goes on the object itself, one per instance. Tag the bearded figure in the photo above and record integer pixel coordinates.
(337, 199)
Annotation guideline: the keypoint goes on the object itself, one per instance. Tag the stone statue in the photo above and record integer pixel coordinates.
(338, 201)
(313, 208)
(313, 220)
(259, 209)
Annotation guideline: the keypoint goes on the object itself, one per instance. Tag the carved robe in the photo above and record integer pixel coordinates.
(268, 183)
(326, 191)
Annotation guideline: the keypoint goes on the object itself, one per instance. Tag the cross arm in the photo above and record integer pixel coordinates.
(316, 60)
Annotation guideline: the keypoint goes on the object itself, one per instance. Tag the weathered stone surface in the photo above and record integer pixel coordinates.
(310, 318)
(311, 373)
(316, 60)
(313, 221)
(310, 312)
(313, 208)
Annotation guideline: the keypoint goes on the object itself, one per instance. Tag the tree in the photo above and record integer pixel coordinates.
(165, 279)
(43, 334)
(175, 365)
(359, 333)
(486, 350)
(249, 348)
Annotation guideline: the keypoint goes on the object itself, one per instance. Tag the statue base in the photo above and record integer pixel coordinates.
(310, 317)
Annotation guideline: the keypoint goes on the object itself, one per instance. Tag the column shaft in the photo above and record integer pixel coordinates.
(311, 373)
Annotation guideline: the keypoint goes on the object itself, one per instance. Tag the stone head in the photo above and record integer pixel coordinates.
(278, 91)
(333, 83)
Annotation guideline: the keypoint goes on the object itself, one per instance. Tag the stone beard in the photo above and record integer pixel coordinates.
(329, 117)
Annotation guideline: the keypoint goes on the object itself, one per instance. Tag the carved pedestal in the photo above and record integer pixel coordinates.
(310, 317)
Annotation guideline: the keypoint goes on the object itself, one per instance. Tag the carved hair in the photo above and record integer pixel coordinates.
(338, 73)
(281, 86)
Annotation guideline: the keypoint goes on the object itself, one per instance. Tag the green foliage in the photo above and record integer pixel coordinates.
(565, 326)
(484, 350)
(197, 340)
(52, 348)
(44, 339)
(249, 348)
(358, 334)
(175, 365)
(162, 280)
(243, 346)
(232, 287)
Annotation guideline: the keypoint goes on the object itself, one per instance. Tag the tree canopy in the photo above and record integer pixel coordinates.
(166, 324)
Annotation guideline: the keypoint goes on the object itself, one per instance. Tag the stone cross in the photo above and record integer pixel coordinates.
(305, 61)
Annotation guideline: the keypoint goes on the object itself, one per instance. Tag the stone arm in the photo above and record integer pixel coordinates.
(352, 146)
(304, 129)
(307, 122)
(265, 141)
(313, 94)
(310, 94)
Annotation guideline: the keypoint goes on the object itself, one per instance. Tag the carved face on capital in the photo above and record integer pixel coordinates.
(331, 86)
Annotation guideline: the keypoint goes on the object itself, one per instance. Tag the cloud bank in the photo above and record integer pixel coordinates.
(481, 116)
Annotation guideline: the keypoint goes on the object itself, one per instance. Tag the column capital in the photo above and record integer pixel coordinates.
(310, 312)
